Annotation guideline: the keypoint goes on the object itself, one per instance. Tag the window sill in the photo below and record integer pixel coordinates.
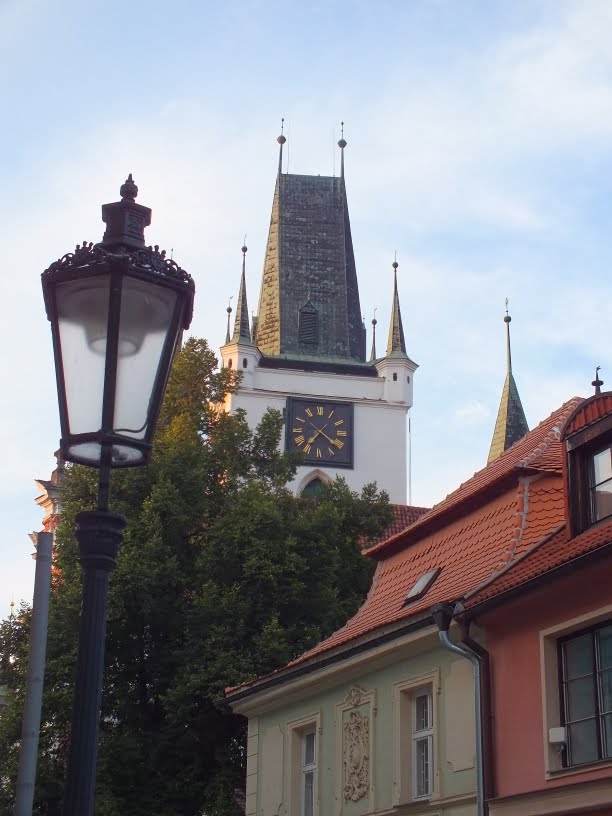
(574, 770)
(431, 804)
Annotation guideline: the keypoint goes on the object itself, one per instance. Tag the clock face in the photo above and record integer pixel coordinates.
(321, 430)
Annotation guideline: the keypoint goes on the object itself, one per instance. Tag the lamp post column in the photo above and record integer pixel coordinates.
(99, 533)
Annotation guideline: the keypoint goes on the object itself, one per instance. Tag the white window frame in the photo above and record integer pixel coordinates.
(407, 736)
(309, 769)
(422, 737)
(297, 768)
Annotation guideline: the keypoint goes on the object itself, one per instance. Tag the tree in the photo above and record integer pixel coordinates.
(223, 575)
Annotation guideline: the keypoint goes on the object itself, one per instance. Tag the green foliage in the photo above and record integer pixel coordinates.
(223, 575)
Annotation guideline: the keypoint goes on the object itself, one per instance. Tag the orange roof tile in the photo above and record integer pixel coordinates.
(473, 542)
(588, 412)
(405, 515)
(549, 553)
(539, 450)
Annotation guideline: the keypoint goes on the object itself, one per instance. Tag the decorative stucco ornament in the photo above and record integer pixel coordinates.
(355, 697)
(356, 756)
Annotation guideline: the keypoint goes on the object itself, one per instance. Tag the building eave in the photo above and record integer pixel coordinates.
(331, 667)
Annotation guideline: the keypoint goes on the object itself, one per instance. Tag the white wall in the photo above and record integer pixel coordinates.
(381, 406)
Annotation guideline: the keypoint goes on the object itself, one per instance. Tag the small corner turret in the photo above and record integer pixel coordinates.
(396, 366)
(239, 352)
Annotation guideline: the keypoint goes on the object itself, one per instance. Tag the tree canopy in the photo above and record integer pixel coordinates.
(223, 575)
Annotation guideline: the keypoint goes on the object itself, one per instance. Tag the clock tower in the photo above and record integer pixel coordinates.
(305, 351)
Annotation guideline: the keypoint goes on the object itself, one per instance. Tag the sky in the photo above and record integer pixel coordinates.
(479, 149)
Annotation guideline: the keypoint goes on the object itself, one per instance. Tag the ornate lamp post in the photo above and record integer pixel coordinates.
(117, 311)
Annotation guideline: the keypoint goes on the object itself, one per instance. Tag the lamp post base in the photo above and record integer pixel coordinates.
(99, 533)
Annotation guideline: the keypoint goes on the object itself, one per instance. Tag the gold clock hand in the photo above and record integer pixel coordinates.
(329, 439)
(318, 431)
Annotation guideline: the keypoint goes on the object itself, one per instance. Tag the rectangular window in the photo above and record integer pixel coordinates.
(302, 765)
(586, 691)
(601, 484)
(422, 743)
(415, 726)
(309, 769)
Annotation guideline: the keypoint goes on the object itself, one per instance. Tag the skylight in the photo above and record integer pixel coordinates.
(422, 585)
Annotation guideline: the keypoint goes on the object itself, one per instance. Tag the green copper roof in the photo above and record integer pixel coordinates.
(511, 424)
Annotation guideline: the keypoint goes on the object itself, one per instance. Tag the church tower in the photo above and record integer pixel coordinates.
(306, 352)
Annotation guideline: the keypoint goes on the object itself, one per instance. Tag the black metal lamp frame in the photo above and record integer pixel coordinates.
(99, 533)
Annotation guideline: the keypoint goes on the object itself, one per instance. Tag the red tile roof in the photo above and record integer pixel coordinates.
(490, 522)
(589, 412)
(405, 515)
(539, 450)
(548, 553)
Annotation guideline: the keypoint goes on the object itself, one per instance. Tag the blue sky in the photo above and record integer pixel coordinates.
(480, 148)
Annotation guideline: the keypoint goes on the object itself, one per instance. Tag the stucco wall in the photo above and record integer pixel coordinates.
(378, 699)
(380, 427)
(515, 644)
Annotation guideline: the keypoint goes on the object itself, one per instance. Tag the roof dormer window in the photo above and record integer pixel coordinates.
(588, 442)
(601, 484)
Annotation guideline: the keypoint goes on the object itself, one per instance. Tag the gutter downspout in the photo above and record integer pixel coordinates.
(442, 615)
(486, 710)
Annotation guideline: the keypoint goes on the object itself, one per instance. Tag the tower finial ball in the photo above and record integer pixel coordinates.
(281, 139)
(128, 190)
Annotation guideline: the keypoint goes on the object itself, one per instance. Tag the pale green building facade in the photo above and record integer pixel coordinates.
(387, 730)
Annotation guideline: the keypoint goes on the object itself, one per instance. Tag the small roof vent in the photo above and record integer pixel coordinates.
(422, 585)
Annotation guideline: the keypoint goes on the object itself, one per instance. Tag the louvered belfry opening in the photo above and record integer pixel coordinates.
(308, 326)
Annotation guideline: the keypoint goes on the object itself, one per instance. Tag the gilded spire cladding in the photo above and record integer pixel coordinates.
(309, 303)
(511, 424)
(242, 331)
(396, 346)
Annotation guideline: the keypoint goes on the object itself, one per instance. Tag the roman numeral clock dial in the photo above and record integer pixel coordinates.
(321, 430)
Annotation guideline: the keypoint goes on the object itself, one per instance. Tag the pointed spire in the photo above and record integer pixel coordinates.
(281, 140)
(242, 331)
(229, 312)
(511, 424)
(507, 320)
(397, 345)
(597, 383)
(374, 322)
(342, 145)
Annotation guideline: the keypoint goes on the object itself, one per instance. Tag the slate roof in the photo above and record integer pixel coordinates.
(310, 260)
(492, 521)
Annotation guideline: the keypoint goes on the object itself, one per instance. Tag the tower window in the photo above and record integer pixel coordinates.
(313, 488)
(244, 362)
(229, 363)
(394, 376)
(308, 325)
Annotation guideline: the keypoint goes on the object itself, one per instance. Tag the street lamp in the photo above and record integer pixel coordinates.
(117, 311)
